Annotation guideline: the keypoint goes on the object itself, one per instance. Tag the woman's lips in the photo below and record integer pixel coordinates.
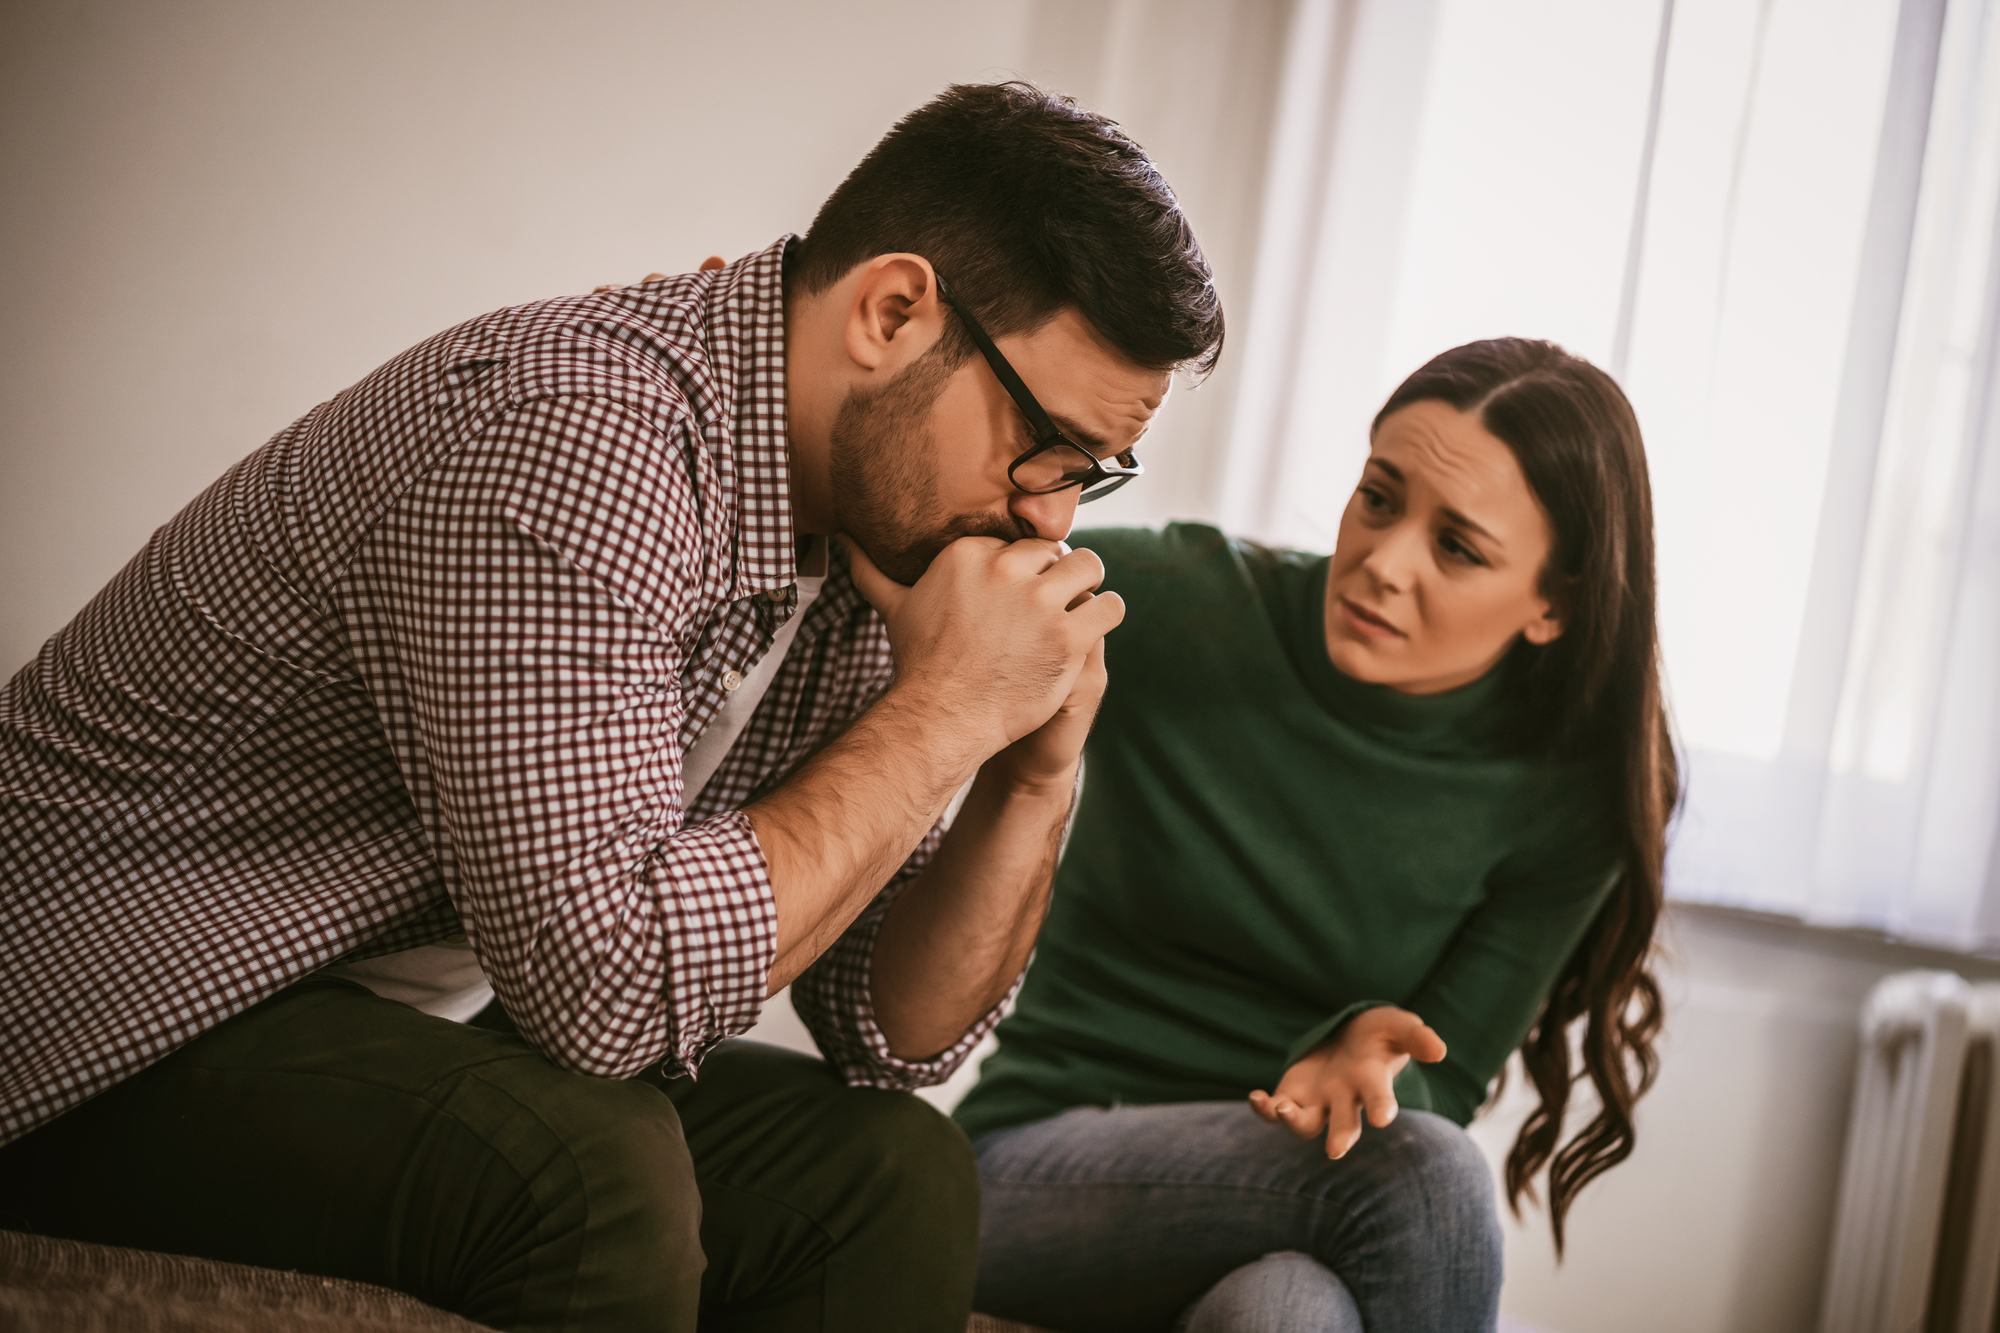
(1368, 622)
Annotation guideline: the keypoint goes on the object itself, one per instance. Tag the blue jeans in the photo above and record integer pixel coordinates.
(1200, 1217)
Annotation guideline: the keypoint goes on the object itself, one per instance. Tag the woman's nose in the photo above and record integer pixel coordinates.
(1393, 559)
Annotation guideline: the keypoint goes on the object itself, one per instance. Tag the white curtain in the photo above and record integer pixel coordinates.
(1775, 221)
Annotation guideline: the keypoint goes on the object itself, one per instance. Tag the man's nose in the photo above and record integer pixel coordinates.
(1051, 516)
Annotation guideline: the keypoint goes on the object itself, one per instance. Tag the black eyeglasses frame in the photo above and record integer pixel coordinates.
(1098, 478)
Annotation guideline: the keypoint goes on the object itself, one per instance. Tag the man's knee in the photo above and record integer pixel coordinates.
(841, 1198)
(920, 1154)
(914, 1225)
(605, 1212)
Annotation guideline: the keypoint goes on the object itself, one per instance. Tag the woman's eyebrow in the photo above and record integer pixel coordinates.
(1464, 522)
(1396, 474)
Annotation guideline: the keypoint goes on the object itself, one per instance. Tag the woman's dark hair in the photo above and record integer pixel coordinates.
(1028, 203)
(1596, 690)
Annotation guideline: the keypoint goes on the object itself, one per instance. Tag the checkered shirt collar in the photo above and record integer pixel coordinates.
(746, 319)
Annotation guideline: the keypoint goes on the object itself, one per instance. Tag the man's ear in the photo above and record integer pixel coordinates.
(894, 315)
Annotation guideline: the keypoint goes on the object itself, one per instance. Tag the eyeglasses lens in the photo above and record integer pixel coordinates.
(1052, 469)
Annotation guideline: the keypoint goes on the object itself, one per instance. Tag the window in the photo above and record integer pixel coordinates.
(1774, 221)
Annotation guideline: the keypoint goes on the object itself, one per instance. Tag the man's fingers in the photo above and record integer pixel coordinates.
(1260, 1102)
(1031, 556)
(1098, 616)
(883, 593)
(1077, 571)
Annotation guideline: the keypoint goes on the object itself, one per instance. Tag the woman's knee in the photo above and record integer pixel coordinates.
(1447, 1164)
(1286, 1292)
(1441, 1182)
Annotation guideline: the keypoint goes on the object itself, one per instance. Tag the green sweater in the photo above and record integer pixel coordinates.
(1265, 847)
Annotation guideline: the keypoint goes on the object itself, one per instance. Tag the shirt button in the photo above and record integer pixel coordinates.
(778, 594)
(731, 679)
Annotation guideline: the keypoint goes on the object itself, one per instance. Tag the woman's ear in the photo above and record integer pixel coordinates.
(1547, 627)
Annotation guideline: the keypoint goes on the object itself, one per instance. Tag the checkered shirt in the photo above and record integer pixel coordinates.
(425, 665)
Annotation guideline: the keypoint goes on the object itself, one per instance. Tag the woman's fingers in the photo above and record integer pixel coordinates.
(1302, 1119)
(1380, 1103)
(1416, 1038)
(1343, 1128)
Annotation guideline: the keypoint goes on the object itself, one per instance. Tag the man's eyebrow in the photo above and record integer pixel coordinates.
(1089, 439)
(1395, 473)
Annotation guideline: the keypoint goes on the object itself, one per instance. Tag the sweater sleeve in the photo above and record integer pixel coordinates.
(1486, 989)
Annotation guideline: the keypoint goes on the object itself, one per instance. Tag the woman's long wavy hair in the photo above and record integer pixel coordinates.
(1596, 692)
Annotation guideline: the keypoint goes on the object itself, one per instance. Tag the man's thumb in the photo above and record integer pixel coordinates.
(883, 593)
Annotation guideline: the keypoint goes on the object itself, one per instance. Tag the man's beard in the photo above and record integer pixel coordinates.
(884, 466)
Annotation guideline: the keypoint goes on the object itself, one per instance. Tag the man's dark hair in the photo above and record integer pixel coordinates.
(1027, 203)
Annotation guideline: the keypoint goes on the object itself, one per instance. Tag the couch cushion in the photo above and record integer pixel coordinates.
(66, 1286)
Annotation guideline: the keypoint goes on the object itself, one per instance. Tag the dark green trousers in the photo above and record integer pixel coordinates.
(329, 1131)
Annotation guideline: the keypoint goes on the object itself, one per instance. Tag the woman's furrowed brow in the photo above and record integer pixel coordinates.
(1462, 521)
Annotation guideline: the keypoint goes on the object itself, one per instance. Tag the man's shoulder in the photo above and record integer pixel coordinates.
(648, 346)
(684, 346)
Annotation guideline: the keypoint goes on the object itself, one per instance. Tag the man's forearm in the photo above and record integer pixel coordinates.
(836, 831)
(955, 940)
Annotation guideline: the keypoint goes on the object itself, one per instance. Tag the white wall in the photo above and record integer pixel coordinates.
(220, 212)
(1720, 1220)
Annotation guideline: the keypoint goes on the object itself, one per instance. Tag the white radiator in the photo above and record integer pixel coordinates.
(1916, 1243)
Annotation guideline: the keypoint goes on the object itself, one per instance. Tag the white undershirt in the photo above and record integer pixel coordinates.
(444, 980)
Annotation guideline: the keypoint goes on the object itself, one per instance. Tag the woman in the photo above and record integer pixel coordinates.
(1354, 829)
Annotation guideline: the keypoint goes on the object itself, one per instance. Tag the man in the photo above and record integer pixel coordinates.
(527, 664)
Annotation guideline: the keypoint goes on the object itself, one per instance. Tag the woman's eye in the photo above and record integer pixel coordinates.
(1459, 550)
(1373, 500)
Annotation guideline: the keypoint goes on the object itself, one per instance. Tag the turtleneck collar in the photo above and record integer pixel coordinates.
(1471, 718)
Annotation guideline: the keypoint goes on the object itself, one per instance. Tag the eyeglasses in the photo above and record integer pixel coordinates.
(1055, 462)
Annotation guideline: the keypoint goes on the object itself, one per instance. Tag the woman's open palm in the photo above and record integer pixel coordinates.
(1328, 1091)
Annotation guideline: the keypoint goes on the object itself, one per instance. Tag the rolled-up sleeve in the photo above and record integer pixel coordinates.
(833, 998)
(529, 674)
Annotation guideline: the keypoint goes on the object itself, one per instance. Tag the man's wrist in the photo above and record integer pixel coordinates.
(935, 729)
(1031, 783)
